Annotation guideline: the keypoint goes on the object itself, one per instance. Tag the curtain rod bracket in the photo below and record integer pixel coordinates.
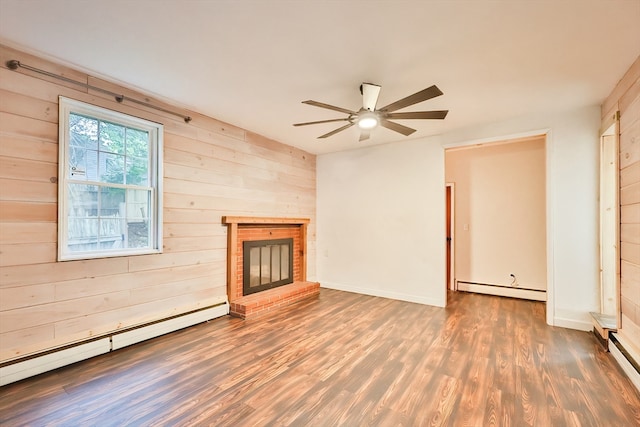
(14, 64)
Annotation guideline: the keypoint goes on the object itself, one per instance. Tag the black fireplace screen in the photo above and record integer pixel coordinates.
(266, 264)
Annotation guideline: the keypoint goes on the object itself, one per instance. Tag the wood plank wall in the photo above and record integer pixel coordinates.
(211, 169)
(626, 99)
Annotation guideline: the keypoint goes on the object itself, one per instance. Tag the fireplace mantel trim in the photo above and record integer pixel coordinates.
(263, 220)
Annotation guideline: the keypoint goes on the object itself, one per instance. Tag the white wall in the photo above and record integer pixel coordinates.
(381, 214)
(381, 221)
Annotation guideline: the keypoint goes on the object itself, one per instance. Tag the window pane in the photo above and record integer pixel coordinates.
(83, 131)
(138, 234)
(78, 163)
(82, 234)
(112, 202)
(111, 138)
(138, 206)
(137, 171)
(83, 164)
(91, 157)
(83, 200)
(111, 168)
(82, 228)
(111, 233)
(137, 143)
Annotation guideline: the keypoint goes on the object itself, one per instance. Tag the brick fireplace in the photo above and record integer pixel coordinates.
(260, 229)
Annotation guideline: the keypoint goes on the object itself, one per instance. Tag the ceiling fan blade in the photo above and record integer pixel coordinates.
(423, 95)
(406, 131)
(370, 93)
(329, 107)
(441, 114)
(333, 132)
(346, 119)
(364, 135)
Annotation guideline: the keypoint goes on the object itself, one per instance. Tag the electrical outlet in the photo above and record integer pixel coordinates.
(514, 281)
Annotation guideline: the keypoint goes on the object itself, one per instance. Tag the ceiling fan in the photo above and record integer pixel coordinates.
(368, 117)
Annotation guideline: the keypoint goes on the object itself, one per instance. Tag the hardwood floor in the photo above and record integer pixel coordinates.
(344, 359)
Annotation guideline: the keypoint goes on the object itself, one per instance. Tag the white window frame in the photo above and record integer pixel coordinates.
(68, 106)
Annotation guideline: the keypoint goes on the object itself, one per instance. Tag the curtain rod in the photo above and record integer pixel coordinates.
(15, 64)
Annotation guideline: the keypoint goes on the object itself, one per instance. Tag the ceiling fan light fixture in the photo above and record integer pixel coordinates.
(369, 116)
(367, 120)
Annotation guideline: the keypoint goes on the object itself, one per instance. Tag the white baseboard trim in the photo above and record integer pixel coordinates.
(572, 324)
(51, 361)
(38, 364)
(624, 363)
(384, 294)
(571, 319)
(502, 291)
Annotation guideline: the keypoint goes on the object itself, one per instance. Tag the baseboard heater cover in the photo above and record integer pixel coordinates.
(144, 333)
(51, 361)
(628, 362)
(501, 290)
(38, 364)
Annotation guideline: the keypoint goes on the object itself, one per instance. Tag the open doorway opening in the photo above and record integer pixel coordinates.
(500, 223)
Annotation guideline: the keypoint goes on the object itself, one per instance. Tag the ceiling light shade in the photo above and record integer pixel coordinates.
(367, 120)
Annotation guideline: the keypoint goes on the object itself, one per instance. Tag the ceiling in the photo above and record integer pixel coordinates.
(251, 62)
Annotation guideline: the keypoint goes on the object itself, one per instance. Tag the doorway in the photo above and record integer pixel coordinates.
(499, 229)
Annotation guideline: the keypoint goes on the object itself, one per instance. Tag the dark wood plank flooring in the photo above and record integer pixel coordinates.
(344, 360)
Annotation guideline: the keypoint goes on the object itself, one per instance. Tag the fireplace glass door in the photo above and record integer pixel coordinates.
(266, 264)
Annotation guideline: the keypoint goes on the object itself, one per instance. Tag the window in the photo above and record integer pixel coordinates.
(110, 176)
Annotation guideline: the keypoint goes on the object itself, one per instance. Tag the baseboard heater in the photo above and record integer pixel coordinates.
(31, 365)
(629, 362)
(502, 290)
